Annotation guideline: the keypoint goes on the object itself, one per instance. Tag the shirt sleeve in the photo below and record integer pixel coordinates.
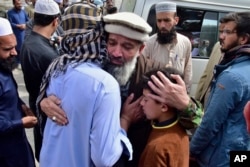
(108, 140)
(192, 116)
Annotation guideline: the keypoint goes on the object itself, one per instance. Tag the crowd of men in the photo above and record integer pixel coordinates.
(102, 92)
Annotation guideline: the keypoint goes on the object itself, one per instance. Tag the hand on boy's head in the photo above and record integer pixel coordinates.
(172, 94)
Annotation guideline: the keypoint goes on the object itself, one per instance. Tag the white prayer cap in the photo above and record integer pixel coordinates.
(128, 25)
(165, 7)
(5, 27)
(47, 7)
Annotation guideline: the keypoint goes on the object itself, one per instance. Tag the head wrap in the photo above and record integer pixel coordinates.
(165, 7)
(84, 41)
(5, 27)
(127, 24)
(47, 7)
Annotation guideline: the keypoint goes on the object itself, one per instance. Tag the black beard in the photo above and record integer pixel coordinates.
(8, 64)
(165, 38)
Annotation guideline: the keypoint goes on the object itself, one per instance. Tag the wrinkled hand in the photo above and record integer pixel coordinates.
(29, 121)
(27, 111)
(51, 107)
(172, 94)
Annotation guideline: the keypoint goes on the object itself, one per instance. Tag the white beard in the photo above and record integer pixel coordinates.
(122, 73)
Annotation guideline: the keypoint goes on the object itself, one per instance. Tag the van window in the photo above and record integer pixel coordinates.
(200, 26)
(128, 5)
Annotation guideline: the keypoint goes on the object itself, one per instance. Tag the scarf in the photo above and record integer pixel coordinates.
(85, 40)
(235, 52)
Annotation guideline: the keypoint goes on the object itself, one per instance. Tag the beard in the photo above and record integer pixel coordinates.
(166, 37)
(229, 47)
(8, 64)
(122, 73)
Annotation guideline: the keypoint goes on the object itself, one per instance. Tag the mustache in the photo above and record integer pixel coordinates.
(114, 58)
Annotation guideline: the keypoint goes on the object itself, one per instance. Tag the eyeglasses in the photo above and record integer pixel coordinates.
(227, 32)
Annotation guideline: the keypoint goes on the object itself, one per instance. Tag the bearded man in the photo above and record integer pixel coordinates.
(168, 46)
(15, 116)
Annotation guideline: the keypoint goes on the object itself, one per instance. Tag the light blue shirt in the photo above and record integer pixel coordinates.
(93, 137)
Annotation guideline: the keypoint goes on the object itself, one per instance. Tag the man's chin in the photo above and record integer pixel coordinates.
(9, 64)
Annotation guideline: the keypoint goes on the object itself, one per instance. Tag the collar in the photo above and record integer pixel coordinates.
(165, 124)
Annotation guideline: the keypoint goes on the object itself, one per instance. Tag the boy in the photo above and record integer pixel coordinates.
(168, 143)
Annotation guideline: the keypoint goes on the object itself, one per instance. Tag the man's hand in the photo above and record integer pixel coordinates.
(131, 111)
(27, 111)
(29, 121)
(172, 94)
(51, 107)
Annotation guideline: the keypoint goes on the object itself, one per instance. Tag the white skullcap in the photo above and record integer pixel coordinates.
(128, 25)
(47, 7)
(165, 7)
(59, 1)
(5, 27)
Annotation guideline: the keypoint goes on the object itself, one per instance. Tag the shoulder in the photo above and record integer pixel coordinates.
(96, 73)
(181, 37)
(152, 38)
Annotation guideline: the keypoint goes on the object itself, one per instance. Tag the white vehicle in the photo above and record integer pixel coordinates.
(199, 20)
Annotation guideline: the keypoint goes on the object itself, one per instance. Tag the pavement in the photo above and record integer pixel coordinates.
(18, 75)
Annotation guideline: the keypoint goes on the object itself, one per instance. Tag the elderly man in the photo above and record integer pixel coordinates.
(124, 44)
(14, 114)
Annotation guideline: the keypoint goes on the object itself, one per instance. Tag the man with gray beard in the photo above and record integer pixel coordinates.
(125, 42)
(168, 46)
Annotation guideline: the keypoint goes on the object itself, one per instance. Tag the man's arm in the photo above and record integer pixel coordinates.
(175, 95)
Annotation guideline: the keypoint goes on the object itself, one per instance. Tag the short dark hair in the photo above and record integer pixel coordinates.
(44, 20)
(167, 71)
(242, 21)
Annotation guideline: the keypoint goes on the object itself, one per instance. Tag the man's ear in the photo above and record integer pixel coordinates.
(141, 48)
(55, 22)
(176, 18)
(244, 39)
(164, 108)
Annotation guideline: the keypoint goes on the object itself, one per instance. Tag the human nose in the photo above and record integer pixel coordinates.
(117, 52)
(13, 52)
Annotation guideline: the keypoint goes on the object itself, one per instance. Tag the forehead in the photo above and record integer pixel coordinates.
(8, 41)
(121, 38)
(165, 15)
(230, 25)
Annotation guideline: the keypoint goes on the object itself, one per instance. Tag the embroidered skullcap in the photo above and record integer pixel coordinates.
(5, 27)
(165, 7)
(47, 7)
(80, 18)
(127, 24)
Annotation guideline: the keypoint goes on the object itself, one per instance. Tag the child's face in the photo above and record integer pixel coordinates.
(151, 108)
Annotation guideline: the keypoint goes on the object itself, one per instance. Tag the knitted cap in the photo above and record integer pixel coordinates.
(80, 17)
(5, 28)
(165, 7)
(47, 7)
(127, 24)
